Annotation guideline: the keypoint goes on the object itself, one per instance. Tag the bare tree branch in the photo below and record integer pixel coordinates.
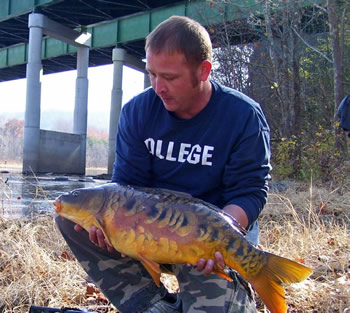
(320, 7)
(311, 47)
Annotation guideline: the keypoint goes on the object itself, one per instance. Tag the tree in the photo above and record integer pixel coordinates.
(337, 12)
(281, 54)
(11, 142)
(97, 148)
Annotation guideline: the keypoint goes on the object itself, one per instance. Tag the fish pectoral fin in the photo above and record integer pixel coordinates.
(152, 268)
(222, 274)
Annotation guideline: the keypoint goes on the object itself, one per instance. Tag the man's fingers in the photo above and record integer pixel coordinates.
(201, 264)
(220, 262)
(209, 266)
(78, 228)
(95, 236)
(92, 235)
(100, 239)
(109, 247)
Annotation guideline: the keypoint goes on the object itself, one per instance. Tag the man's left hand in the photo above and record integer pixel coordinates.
(207, 266)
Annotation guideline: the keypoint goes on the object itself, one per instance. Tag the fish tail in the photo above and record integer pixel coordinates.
(276, 271)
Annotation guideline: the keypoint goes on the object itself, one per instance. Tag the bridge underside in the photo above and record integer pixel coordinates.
(73, 14)
(122, 24)
(101, 56)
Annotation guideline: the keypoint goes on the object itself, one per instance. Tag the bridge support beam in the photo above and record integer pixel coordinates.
(32, 115)
(118, 58)
(43, 151)
(81, 103)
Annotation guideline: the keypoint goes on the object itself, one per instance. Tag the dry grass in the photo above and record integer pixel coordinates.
(310, 225)
(34, 268)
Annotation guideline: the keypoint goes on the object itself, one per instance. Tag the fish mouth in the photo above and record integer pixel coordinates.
(58, 205)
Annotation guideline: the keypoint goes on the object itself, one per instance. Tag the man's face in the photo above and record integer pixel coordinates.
(175, 82)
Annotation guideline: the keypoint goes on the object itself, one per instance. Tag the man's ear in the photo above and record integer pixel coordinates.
(205, 69)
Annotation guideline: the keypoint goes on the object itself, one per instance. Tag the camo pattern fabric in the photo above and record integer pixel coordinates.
(130, 288)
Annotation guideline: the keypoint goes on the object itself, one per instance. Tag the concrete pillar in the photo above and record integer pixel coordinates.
(146, 81)
(81, 102)
(31, 145)
(118, 58)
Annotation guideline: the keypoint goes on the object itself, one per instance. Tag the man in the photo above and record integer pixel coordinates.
(343, 114)
(186, 133)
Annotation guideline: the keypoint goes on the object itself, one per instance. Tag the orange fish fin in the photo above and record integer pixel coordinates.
(222, 274)
(152, 268)
(268, 282)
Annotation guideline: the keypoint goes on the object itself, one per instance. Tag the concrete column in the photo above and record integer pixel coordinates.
(146, 81)
(31, 145)
(118, 58)
(81, 102)
(81, 92)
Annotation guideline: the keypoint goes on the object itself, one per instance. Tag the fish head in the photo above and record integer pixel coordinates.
(81, 205)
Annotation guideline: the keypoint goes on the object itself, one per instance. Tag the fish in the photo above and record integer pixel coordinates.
(157, 226)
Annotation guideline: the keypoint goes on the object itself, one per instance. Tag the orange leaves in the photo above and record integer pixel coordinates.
(212, 5)
(302, 261)
(94, 296)
(91, 290)
(65, 255)
(273, 235)
(323, 208)
(332, 241)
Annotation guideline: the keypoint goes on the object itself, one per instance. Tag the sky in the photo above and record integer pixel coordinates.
(58, 91)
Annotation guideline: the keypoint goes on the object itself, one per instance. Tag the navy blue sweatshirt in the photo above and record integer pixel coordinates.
(221, 155)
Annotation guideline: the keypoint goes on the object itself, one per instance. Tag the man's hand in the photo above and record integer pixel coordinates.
(238, 213)
(97, 237)
(207, 266)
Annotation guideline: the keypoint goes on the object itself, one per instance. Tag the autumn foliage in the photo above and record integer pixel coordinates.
(11, 143)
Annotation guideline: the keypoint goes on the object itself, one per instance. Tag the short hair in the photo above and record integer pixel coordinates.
(181, 34)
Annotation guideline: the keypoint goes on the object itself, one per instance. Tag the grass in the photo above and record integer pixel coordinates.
(304, 223)
(311, 225)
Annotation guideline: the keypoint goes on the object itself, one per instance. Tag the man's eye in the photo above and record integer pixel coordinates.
(169, 78)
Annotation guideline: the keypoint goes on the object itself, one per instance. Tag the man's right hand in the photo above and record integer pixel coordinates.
(97, 237)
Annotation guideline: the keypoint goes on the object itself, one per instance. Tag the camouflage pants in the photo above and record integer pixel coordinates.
(131, 289)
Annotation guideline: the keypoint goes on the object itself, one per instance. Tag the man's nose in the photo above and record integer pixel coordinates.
(159, 85)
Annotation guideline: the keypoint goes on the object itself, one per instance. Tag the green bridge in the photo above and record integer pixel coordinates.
(123, 24)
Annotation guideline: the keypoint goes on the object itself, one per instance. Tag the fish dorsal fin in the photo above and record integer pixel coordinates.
(152, 268)
(227, 216)
(162, 191)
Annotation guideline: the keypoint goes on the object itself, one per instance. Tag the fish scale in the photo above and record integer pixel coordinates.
(157, 226)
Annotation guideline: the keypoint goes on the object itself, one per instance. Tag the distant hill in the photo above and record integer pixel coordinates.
(61, 120)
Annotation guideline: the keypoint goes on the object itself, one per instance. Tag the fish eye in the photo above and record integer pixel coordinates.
(75, 193)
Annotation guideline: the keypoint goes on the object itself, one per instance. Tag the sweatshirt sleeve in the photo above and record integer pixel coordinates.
(247, 171)
(132, 163)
